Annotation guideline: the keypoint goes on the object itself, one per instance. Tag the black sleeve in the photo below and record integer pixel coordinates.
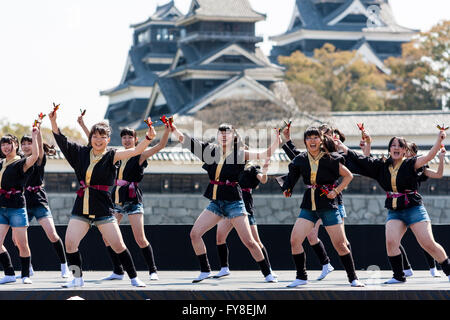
(195, 146)
(368, 166)
(69, 149)
(290, 150)
(292, 177)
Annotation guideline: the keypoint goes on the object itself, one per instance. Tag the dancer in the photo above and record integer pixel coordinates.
(128, 199)
(224, 162)
(313, 237)
(423, 174)
(95, 168)
(398, 177)
(36, 198)
(249, 180)
(14, 172)
(320, 169)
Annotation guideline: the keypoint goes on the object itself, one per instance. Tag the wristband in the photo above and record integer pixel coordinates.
(146, 137)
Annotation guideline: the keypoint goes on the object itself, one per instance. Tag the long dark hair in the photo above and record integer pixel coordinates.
(10, 139)
(49, 150)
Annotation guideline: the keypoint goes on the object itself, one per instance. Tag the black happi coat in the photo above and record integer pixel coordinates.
(326, 175)
(36, 197)
(94, 203)
(404, 180)
(221, 169)
(291, 151)
(248, 180)
(132, 172)
(13, 179)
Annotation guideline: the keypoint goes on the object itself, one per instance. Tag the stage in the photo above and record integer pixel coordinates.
(239, 286)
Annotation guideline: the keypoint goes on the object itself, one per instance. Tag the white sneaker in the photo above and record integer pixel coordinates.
(136, 282)
(271, 278)
(154, 276)
(114, 276)
(65, 272)
(273, 273)
(202, 276)
(408, 273)
(394, 281)
(26, 280)
(357, 283)
(435, 273)
(76, 282)
(225, 271)
(326, 269)
(297, 282)
(7, 279)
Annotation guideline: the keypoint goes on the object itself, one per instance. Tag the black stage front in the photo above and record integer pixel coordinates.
(178, 266)
(239, 286)
(173, 251)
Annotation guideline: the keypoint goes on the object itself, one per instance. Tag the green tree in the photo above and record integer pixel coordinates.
(340, 77)
(421, 76)
(19, 130)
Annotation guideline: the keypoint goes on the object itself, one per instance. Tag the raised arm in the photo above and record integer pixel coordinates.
(288, 146)
(40, 144)
(366, 144)
(153, 150)
(262, 177)
(423, 160)
(140, 148)
(86, 131)
(440, 171)
(52, 117)
(34, 150)
(177, 133)
(266, 154)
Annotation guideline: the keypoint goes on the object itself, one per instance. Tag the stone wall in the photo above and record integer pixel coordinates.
(270, 209)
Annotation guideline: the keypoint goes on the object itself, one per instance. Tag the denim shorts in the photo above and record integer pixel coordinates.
(330, 217)
(129, 208)
(38, 212)
(14, 217)
(95, 221)
(251, 220)
(342, 211)
(227, 209)
(409, 216)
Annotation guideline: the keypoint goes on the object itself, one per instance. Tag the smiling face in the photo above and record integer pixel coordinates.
(128, 141)
(26, 147)
(99, 141)
(313, 143)
(8, 146)
(397, 148)
(99, 137)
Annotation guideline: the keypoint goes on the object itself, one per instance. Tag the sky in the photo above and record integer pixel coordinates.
(68, 51)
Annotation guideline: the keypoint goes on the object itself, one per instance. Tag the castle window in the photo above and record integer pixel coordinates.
(162, 34)
(144, 37)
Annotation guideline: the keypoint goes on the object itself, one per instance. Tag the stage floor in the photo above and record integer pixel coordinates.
(240, 285)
